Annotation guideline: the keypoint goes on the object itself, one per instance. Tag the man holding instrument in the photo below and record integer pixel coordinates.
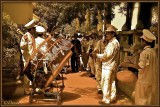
(27, 46)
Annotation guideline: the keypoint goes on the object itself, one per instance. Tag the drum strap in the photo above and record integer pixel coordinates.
(34, 46)
(36, 50)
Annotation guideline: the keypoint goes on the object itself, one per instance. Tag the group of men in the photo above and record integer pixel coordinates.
(100, 56)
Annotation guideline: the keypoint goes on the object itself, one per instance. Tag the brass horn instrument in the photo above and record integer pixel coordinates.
(20, 32)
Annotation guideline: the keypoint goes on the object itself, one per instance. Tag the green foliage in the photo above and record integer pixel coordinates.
(9, 33)
(10, 42)
(54, 14)
(6, 26)
(57, 14)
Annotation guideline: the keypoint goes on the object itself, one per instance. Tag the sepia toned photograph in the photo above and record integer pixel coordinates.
(80, 53)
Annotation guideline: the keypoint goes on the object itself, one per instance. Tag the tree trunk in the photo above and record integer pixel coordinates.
(145, 14)
(108, 12)
(129, 15)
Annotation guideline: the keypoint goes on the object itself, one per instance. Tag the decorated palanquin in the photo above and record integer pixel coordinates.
(50, 57)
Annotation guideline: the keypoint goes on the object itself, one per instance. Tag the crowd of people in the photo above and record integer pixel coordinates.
(98, 54)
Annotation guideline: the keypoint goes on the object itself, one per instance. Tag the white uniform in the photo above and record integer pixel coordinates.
(109, 68)
(146, 91)
(43, 50)
(27, 47)
(39, 41)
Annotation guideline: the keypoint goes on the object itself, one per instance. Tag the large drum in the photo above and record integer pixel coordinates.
(50, 57)
(126, 76)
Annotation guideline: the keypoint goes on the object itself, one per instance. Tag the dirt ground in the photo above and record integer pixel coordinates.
(80, 89)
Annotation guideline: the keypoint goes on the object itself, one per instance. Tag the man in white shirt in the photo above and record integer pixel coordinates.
(110, 62)
(27, 45)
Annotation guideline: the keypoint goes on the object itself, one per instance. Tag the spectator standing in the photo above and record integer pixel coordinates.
(146, 91)
(76, 50)
(99, 48)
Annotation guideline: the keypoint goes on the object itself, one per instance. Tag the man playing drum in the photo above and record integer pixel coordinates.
(27, 46)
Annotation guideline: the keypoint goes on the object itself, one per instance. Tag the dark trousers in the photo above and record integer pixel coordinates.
(74, 63)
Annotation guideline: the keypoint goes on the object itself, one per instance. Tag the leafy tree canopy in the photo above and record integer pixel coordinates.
(55, 14)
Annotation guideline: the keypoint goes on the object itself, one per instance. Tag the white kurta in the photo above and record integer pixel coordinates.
(146, 91)
(109, 67)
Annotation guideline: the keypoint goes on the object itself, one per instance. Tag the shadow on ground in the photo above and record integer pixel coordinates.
(67, 96)
(86, 74)
(88, 92)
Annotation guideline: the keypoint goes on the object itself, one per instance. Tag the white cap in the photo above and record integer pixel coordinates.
(30, 24)
(148, 36)
(111, 28)
(40, 29)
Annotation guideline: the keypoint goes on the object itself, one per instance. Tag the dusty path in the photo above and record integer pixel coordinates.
(79, 90)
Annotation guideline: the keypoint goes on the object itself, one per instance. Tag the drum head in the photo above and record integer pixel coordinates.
(127, 64)
(51, 56)
(126, 76)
